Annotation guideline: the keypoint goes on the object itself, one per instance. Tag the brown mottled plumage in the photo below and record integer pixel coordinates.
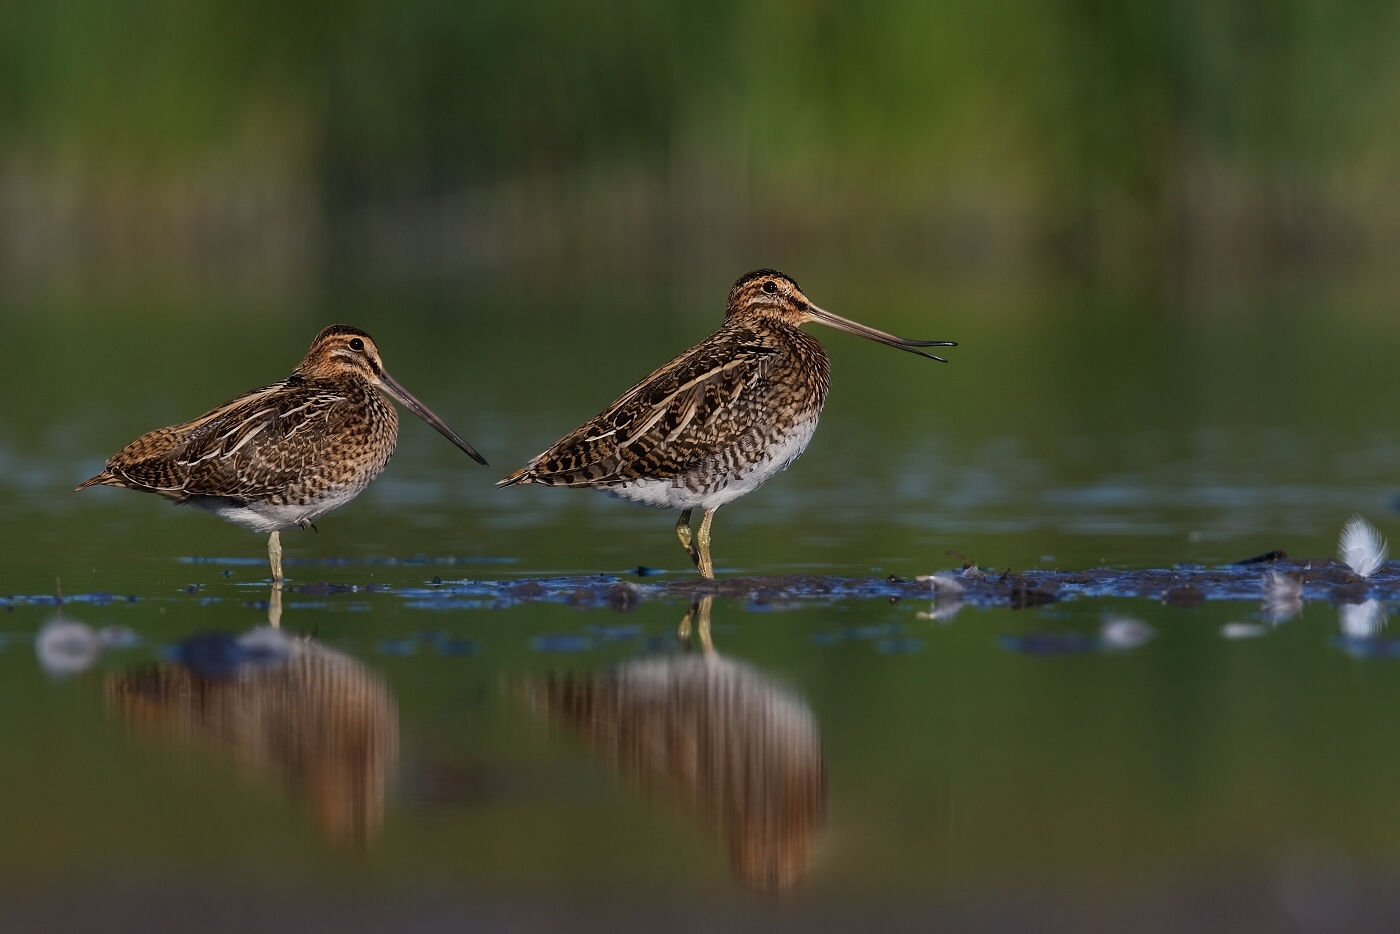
(286, 454)
(719, 420)
(722, 740)
(319, 720)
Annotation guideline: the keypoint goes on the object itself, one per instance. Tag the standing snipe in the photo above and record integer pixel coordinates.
(286, 454)
(717, 421)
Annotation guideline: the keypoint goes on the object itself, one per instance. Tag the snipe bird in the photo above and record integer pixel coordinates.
(719, 420)
(286, 454)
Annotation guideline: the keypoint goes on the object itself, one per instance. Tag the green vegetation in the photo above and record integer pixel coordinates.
(1119, 136)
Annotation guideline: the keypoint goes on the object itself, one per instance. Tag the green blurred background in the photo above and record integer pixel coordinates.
(1163, 147)
(1162, 233)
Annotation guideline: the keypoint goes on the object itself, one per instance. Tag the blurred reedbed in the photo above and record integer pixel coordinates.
(261, 149)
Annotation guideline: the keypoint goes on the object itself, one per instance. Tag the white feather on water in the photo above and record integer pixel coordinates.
(942, 583)
(948, 597)
(1123, 632)
(1283, 597)
(67, 647)
(942, 610)
(1361, 547)
(1361, 620)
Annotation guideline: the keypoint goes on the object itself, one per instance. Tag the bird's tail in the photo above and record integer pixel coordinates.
(524, 475)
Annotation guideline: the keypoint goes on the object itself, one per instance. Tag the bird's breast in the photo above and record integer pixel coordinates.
(728, 472)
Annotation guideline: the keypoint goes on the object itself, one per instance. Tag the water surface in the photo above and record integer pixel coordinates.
(494, 714)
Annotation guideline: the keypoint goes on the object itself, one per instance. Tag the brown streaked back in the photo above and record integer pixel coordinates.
(743, 382)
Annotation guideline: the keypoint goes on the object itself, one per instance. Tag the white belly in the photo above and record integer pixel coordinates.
(684, 493)
(266, 517)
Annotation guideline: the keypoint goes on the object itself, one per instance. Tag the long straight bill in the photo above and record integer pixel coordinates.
(395, 389)
(855, 327)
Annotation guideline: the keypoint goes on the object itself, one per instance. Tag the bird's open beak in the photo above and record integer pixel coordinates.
(854, 327)
(395, 389)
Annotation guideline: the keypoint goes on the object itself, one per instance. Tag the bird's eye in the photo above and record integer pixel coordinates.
(356, 344)
(770, 287)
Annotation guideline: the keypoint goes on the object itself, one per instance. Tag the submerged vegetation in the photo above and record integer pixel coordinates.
(268, 142)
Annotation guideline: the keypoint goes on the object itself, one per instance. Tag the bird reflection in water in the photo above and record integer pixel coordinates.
(274, 605)
(723, 740)
(280, 706)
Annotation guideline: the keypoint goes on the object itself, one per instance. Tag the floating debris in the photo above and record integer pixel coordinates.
(1183, 586)
(1266, 558)
(1361, 547)
(1242, 630)
(1287, 583)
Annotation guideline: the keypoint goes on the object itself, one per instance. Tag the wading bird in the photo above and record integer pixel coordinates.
(286, 454)
(717, 421)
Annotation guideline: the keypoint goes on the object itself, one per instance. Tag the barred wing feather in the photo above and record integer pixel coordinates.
(662, 427)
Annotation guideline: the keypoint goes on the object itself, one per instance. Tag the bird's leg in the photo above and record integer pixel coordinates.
(274, 606)
(683, 533)
(702, 541)
(701, 608)
(274, 556)
(683, 630)
(703, 626)
(274, 601)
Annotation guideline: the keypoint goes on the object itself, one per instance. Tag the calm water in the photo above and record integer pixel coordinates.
(442, 753)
